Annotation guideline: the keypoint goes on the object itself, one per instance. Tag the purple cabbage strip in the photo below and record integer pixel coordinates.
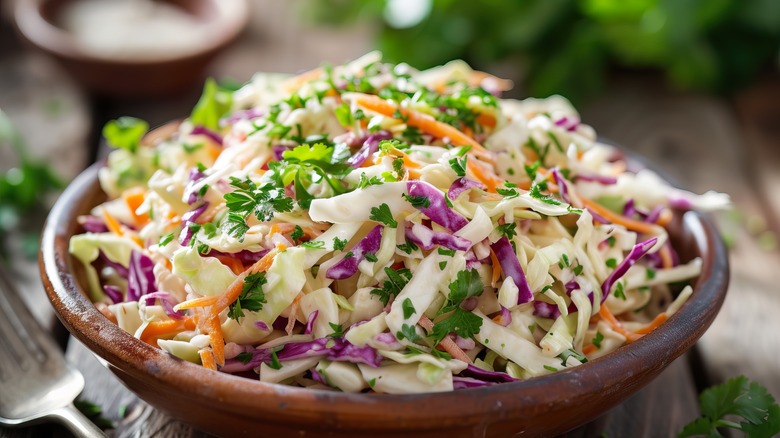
(206, 132)
(348, 266)
(166, 302)
(140, 276)
(505, 316)
(595, 177)
(469, 382)
(633, 256)
(317, 377)
(247, 114)
(471, 260)
(370, 145)
(563, 189)
(629, 208)
(426, 238)
(261, 325)
(389, 339)
(193, 215)
(437, 211)
(570, 286)
(278, 150)
(654, 214)
(120, 269)
(511, 266)
(310, 322)
(681, 203)
(486, 376)
(331, 349)
(569, 124)
(93, 224)
(598, 218)
(258, 357)
(461, 185)
(546, 310)
(114, 293)
(195, 176)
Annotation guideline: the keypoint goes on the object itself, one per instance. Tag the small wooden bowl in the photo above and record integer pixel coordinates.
(227, 405)
(36, 21)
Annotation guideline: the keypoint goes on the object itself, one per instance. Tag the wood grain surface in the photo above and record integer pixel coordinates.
(702, 142)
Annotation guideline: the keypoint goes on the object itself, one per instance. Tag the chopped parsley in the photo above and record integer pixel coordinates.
(650, 273)
(275, 364)
(509, 230)
(459, 165)
(251, 298)
(578, 269)
(611, 263)
(249, 199)
(339, 244)
(366, 181)
(297, 233)
(408, 247)
(446, 252)
(382, 214)
(418, 201)
(314, 244)
(166, 239)
(619, 292)
(396, 281)
(408, 332)
(371, 257)
(408, 308)
(597, 339)
(244, 357)
(464, 323)
(338, 331)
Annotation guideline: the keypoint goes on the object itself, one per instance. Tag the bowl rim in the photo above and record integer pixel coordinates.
(502, 401)
(49, 37)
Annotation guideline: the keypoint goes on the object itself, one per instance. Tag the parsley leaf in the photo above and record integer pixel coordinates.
(509, 230)
(297, 233)
(536, 193)
(339, 244)
(244, 357)
(338, 331)
(418, 201)
(408, 247)
(467, 284)
(597, 339)
(619, 292)
(459, 165)
(408, 308)
(125, 133)
(396, 281)
(408, 332)
(382, 214)
(313, 244)
(739, 397)
(462, 322)
(366, 181)
(248, 198)
(212, 106)
(166, 239)
(251, 298)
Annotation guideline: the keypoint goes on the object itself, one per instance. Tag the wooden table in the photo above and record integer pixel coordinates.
(702, 142)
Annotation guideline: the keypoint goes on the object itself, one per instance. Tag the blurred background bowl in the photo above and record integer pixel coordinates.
(164, 66)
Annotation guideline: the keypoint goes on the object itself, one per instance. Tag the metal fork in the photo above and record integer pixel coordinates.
(36, 384)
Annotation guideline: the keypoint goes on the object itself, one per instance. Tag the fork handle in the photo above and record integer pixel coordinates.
(76, 422)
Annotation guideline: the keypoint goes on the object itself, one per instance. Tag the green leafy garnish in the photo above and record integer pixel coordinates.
(408, 307)
(339, 244)
(509, 230)
(408, 247)
(597, 339)
(244, 357)
(408, 332)
(467, 284)
(248, 198)
(382, 214)
(458, 165)
(214, 103)
(462, 322)
(338, 331)
(366, 181)
(619, 292)
(396, 281)
(418, 201)
(297, 233)
(737, 397)
(252, 297)
(125, 133)
(166, 239)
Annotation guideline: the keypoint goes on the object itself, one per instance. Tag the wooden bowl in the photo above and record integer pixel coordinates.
(37, 22)
(234, 406)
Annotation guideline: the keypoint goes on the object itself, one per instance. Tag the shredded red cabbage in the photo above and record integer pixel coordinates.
(486, 376)
(570, 124)
(120, 269)
(437, 210)
(261, 325)
(93, 224)
(563, 189)
(511, 266)
(370, 145)
(633, 256)
(504, 317)
(595, 177)
(244, 256)
(331, 349)
(247, 114)
(114, 293)
(468, 382)
(310, 322)
(426, 238)
(166, 301)
(140, 276)
(461, 185)
(348, 266)
(206, 132)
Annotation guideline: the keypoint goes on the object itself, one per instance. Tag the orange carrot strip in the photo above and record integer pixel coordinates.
(486, 120)
(631, 224)
(666, 257)
(216, 339)
(233, 263)
(446, 344)
(207, 359)
(195, 302)
(157, 329)
(423, 122)
(112, 224)
(607, 316)
(588, 349)
(294, 83)
(134, 198)
(496, 268)
(660, 319)
(489, 179)
(293, 314)
(234, 290)
(664, 218)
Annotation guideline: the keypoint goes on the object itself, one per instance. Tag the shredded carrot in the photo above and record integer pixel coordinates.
(496, 268)
(486, 120)
(607, 316)
(486, 177)
(233, 263)
(446, 344)
(234, 290)
(134, 198)
(157, 329)
(196, 302)
(631, 224)
(216, 339)
(292, 318)
(660, 319)
(424, 123)
(103, 308)
(207, 359)
(664, 218)
(112, 224)
(588, 349)
(294, 83)
(666, 257)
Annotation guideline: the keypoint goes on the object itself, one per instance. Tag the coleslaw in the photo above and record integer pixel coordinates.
(372, 228)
